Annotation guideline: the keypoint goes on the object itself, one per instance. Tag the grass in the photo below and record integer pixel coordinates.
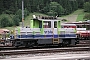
(10, 28)
(80, 17)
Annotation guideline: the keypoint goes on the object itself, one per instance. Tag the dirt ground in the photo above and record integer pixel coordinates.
(71, 18)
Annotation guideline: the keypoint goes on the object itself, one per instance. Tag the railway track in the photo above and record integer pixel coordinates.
(49, 50)
(84, 45)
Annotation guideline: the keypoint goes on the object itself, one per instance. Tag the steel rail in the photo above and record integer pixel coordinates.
(52, 50)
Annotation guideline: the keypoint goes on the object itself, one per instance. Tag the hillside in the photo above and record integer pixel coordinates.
(75, 16)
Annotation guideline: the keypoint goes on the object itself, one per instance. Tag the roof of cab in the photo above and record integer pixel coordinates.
(45, 18)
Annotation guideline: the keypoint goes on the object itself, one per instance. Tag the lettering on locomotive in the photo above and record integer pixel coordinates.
(48, 32)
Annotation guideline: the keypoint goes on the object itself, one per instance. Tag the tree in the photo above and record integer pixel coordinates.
(1, 6)
(87, 7)
(55, 9)
(42, 6)
(19, 14)
(26, 12)
(74, 5)
(80, 3)
(46, 9)
(27, 5)
(4, 22)
(12, 7)
(16, 20)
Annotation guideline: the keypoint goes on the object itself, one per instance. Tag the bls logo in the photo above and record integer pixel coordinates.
(48, 32)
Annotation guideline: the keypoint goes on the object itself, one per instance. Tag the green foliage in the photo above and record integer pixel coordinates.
(80, 17)
(74, 5)
(87, 17)
(87, 7)
(55, 9)
(19, 14)
(16, 20)
(52, 13)
(4, 22)
(50, 7)
(41, 6)
(36, 5)
(1, 6)
(80, 3)
(7, 12)
(26, 12)
(46, 9)
(80, 14)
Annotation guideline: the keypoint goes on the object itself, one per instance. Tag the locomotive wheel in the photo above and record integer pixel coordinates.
(66, 43)
(30, 44)
(14, 44)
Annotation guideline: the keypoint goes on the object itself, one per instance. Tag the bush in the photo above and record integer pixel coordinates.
(19, 14)
(87, 17)
(16, 20)
(26, 12)
(87, 7)
(6, 20)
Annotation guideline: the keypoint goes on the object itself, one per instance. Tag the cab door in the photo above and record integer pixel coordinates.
(56, 32)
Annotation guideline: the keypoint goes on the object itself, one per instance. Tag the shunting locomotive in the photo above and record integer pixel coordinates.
(44, 31)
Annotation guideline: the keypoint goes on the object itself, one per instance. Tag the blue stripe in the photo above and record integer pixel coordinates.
(55, 36)
(25, 36)
(67, 35)
(29, 36)
(46, 36)
(36, 36)
(70, 35)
